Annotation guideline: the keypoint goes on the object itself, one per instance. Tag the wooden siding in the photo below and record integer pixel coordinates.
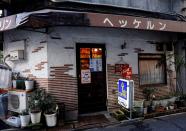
(63, 86)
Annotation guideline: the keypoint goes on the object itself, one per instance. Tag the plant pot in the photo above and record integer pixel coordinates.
(160, 109)
(25, 120)
(145, 110)
(171, 107)
(51, 119)
(35, 117)
(29, 85)
(14, 84)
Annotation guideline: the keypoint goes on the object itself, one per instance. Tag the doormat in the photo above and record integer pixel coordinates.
(3, 125)
(85, 122)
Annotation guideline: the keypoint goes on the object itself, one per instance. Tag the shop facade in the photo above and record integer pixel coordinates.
(77, 64)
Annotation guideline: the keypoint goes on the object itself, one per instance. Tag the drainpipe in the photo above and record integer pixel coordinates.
(171, 6)
(183, 8)
(4, 62)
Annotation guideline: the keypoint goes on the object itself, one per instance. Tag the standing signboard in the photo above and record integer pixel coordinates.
(126, 93)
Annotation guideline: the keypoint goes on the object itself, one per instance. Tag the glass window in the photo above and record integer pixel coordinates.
(85, 53)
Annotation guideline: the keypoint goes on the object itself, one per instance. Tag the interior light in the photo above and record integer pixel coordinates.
(95, 49)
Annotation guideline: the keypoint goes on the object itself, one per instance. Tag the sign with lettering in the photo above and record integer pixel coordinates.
(42, 18)
(125, 92)
(124, 70)
(127, 73)
(119, 67)
(132, 22)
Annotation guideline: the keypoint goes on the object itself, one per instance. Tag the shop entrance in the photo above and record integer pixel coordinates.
(91, 73)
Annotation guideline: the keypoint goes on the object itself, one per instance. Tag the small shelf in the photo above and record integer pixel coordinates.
(19, 90)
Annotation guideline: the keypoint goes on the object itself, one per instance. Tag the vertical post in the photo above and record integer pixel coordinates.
(131, 95)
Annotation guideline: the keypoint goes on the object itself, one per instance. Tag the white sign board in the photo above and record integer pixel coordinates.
(125, 93)
(85, 76)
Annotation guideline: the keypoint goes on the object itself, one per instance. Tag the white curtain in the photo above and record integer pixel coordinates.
(5, 78)
(150, 73)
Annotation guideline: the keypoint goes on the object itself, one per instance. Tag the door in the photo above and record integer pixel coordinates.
(91, 72)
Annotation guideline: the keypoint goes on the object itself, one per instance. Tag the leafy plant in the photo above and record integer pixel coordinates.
(42, 101)
(36, 100)
(148, 92)
(16, 76)
(24, 112)
(179, 62)
(49, 105)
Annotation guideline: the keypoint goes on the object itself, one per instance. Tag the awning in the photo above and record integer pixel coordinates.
(49, 17)
(8, 23)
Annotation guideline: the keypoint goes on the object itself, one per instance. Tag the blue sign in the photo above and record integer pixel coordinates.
(122, 89)
(125, 92)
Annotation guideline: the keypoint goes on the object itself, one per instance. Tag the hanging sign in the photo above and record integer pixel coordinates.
(119, 67)
(127, 73)
(125, 93)
(124, 70)
(85, 76)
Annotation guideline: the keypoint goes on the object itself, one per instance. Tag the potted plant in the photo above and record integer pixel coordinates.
(29, 84)
(25, 118)
(160, 108)
(18, 82)
(50, 111)
(170, 105)
(36, 104)
(148, 92)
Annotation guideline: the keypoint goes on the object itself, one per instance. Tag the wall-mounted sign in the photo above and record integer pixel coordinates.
(127, 73)
(85, 76)
(95, 65)
(125, 93)
(124, 70)
(119, 67)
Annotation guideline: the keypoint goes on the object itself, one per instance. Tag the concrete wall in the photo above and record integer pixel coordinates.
(113, 39)
(35, 50)
(63, 60)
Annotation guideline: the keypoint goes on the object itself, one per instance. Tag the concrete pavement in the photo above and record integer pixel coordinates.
(176, 122)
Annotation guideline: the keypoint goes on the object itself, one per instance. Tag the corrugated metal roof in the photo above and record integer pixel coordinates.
(98, 8)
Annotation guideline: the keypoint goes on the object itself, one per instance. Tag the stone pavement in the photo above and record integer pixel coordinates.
(176, 122)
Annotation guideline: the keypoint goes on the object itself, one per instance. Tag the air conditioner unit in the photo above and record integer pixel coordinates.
(18, 101)
(17, 55)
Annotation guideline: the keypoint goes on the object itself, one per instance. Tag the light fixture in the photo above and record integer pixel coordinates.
(123, 46)
(95, 49)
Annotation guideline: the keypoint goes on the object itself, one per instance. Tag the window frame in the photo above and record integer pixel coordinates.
(149, 56)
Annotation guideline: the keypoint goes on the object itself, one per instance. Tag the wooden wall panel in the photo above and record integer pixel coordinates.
(63, 86)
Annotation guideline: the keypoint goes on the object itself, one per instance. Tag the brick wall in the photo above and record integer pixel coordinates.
(138, 91)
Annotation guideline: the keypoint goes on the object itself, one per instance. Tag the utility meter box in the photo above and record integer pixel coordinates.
(17, 55)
